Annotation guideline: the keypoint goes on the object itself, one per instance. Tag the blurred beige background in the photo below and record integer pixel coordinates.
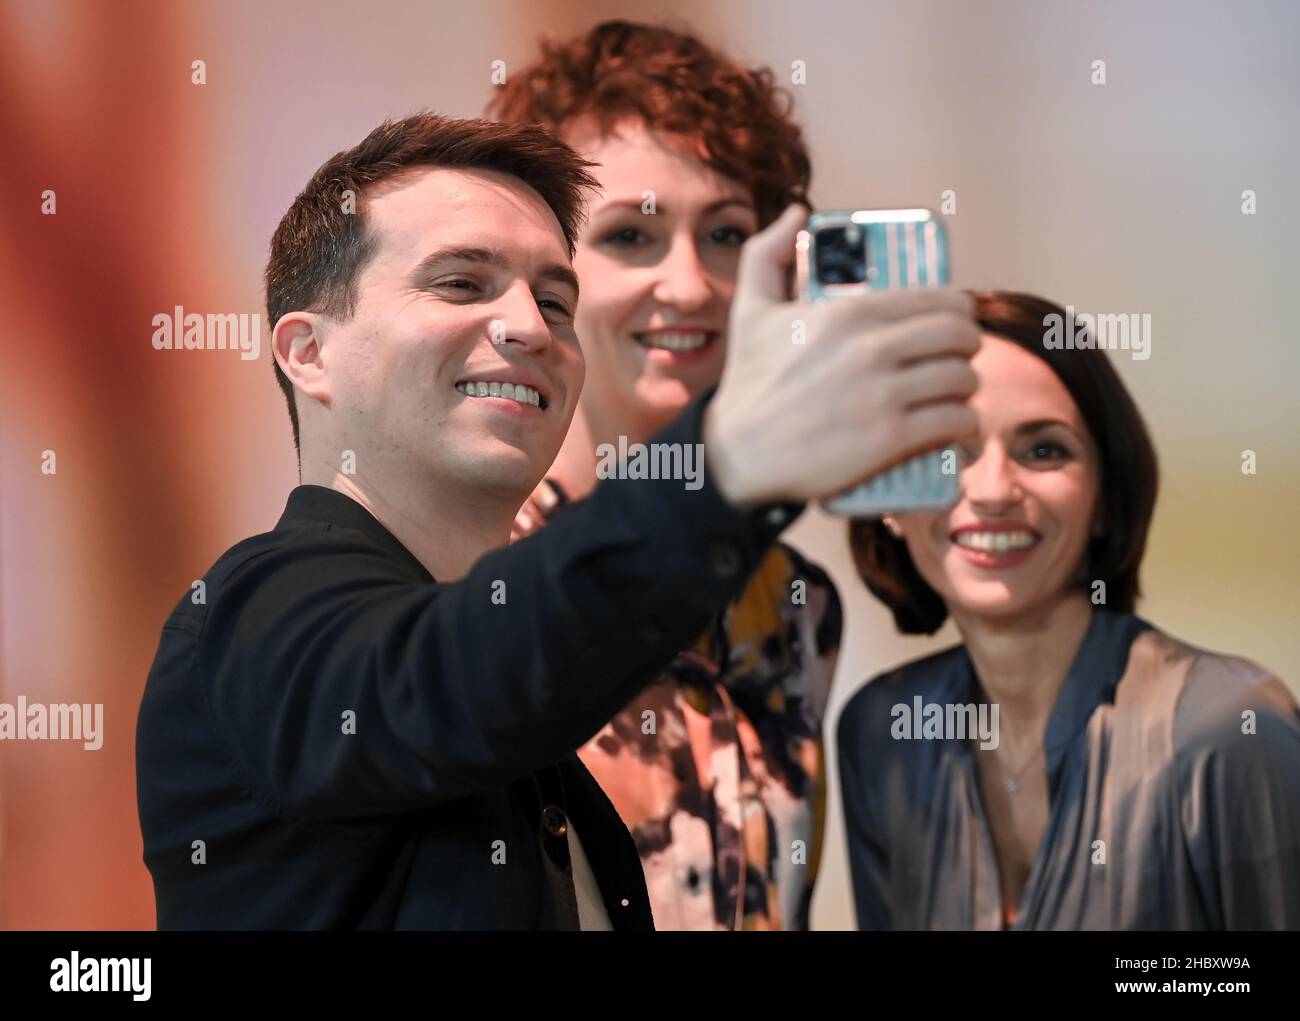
(1123, 197)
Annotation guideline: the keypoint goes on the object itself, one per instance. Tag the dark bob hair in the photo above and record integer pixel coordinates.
(1127, 459)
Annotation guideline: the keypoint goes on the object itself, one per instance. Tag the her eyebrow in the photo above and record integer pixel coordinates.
(1043, 423)
(712, 207)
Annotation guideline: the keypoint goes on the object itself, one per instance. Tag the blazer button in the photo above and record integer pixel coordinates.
(777, 517)
(725, 559)
(554, 821)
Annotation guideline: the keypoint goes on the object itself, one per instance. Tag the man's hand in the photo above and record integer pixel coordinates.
(879, 378)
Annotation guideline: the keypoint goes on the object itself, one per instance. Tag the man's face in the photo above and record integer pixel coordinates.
(470, 283)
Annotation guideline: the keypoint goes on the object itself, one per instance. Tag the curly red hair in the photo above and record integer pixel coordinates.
(736, 120)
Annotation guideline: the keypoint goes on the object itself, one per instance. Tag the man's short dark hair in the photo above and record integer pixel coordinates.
(1129, 476)
(321, 245)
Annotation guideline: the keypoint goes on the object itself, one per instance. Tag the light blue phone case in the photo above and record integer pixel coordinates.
(904, 248)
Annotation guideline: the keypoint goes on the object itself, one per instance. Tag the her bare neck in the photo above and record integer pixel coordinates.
(1022, 662)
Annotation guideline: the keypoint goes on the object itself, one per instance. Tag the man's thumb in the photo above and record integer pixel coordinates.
(761, 276)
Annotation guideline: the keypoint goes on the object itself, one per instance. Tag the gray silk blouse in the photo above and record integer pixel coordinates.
(1174, 786)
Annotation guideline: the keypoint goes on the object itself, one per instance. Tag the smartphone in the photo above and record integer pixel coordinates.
(845, 253)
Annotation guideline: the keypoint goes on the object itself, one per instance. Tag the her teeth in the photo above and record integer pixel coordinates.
(996, 542)
(675, 341)
(494, 389)
(508, 390)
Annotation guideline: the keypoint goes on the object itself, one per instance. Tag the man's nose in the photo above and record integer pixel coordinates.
(517, 320)
(683, 282)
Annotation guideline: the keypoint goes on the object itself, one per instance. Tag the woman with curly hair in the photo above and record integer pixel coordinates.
(717, 768)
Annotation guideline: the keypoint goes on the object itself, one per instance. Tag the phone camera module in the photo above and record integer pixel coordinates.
(841, 255)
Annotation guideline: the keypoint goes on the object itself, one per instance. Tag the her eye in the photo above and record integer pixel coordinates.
(626, 237)
(1047, 450)
(729, 235)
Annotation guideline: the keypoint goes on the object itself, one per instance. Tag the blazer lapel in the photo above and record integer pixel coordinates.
(610, 848)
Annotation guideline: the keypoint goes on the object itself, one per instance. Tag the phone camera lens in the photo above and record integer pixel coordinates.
(841, 255)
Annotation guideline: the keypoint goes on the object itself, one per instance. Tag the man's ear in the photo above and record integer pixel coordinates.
(296, 347)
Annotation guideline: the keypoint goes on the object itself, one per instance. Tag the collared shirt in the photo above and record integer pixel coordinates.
(330, 738)
(1173, 780)
(717, 767)
(592, 916)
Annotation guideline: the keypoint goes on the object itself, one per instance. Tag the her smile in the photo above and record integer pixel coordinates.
(678, 343)
(995, 545)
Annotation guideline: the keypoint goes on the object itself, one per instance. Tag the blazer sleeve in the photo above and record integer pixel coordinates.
(345, 689)
(867, 846)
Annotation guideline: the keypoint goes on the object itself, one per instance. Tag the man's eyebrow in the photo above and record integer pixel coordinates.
(561, 274)
(460, 253)
(490, 257)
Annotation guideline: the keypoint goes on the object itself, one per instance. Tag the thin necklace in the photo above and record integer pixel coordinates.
(1012, 782)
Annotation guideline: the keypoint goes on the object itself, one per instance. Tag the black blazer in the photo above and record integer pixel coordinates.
(329, 738)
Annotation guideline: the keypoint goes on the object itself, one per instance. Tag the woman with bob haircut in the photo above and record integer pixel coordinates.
(1069, 765)
(716, 768)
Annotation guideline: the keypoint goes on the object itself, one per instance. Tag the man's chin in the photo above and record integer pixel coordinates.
(506, 469)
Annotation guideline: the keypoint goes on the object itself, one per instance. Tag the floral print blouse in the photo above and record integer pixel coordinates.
(717, 768)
